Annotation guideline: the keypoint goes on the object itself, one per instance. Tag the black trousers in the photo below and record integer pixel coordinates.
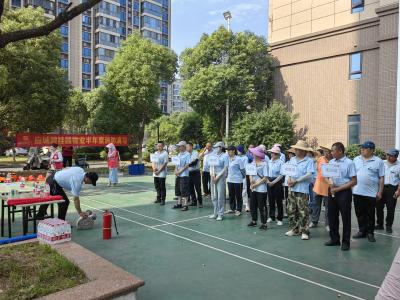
(275, 199)
(55, 190)
(159, 184)
(258, 201)
(235, 196)
(365, 212)
(390, 202)
(195, 186)
(206, 178)
(67, 160)
(248, 188)
(340, 203)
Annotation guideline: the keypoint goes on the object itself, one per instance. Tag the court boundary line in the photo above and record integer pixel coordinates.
(246, 246)
(237, 256)
(181, 221)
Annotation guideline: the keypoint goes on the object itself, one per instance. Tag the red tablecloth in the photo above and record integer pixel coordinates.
(35, 200)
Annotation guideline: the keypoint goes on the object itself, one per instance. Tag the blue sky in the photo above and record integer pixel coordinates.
(192, 18)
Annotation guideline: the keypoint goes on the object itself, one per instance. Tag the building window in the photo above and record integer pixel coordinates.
(355, 66)
(86, 20)
(357, 6)
(86, 36)
(64, 63)
(86, 84)
(87, 52)
(64, 47)
(86, 68)
(354, 123)
(16, 3)
(64, 30)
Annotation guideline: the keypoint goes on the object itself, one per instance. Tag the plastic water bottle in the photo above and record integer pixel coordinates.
(8, 178)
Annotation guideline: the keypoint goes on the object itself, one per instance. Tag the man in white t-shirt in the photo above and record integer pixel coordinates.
(159, 165)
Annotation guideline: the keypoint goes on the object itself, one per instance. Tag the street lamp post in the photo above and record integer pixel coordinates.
(228, 17)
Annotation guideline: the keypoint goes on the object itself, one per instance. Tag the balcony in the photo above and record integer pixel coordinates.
(108, 43)
(108, 28)
(104, 58)
(107, 12)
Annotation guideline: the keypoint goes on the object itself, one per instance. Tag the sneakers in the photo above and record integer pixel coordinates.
(332, 243)
(176, 206)
(200, 205)
(230, 211)
(304, 236)
(269, 220)
(389, 229)
(219, 218)
(327, 228)
(291, 233)
(312, 224)
(157, 201)
(359, 235)
(279, 223)
(185, 208)
(379, 227)
(247, 208)
(252, 224)
(371, 238)
(237, 213)
(263, 227)
(212, 217)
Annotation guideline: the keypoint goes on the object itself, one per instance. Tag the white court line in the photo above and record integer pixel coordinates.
(181, 221)
(242, 245)
(237, 256)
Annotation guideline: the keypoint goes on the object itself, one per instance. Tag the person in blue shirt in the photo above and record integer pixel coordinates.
(236, 173)
(340, 197)
(370, 181)
(218, 162)
(275, 188)
(259, 189)
(391, 191)
(205, 176)
(242, 155)
(250, 159)
(298, 210)
(182, 188)
(71, 180)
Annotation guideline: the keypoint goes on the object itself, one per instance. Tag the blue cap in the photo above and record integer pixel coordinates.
(240, 148)
(393, 152)
(368, 145)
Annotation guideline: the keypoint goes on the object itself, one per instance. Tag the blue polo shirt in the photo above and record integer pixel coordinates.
(275, 168)
(368, 174)
(206, 167)
(283, 157)
(234, 174)
(71, 180)
(184, 159)
(262, 171)
(223, 161)
(347, 170)
(303, 166)
(392, 173)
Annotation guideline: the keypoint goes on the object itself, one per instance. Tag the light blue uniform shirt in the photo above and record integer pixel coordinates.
(71, 180)
(283, 157)
(162, 159)
(368, 174)
(206, 167)
(244, 158)
(392, 173)
(275, 168)
(304, 166)
(347, 170)
(234, 174)
(184, 159)
(262, 171)
(223, 162)
(193, 156)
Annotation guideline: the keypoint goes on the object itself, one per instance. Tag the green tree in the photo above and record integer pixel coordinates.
(178, 126)
(131, 88)
(34, 89)
(76, 113)
(227, 66)
(268, 126)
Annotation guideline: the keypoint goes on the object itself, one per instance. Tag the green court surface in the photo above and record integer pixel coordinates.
(185, 255)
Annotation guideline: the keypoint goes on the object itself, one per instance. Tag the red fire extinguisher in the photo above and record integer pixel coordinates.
(107, 224)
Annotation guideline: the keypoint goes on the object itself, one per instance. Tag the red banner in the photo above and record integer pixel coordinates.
(76, 140)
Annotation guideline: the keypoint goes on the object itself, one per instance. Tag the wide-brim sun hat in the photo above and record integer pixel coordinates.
(324, 147)
(181, 143)
(262, 147)
(258, 152)
(291, 150)
(302, 145)
(275, 150)
(219, 144)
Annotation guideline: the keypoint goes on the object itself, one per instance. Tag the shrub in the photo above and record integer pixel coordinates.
(354, 150)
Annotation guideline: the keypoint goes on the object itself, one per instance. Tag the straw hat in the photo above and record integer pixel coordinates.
(324, 147)
(291, 150)
(302, 145)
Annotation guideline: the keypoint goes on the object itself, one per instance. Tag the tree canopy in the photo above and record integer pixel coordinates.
(34, 90)
(268, 126)
(227, 66)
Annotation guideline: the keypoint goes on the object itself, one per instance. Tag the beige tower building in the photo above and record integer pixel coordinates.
(336, 66)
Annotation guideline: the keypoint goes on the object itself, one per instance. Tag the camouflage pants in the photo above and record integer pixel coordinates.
(298, 212)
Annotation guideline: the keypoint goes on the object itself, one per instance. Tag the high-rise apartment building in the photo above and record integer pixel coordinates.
(336, 66)
(176, 102)
(91, 40)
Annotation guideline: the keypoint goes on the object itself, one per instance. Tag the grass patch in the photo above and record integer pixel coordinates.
(33, 270)
(8, 160)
